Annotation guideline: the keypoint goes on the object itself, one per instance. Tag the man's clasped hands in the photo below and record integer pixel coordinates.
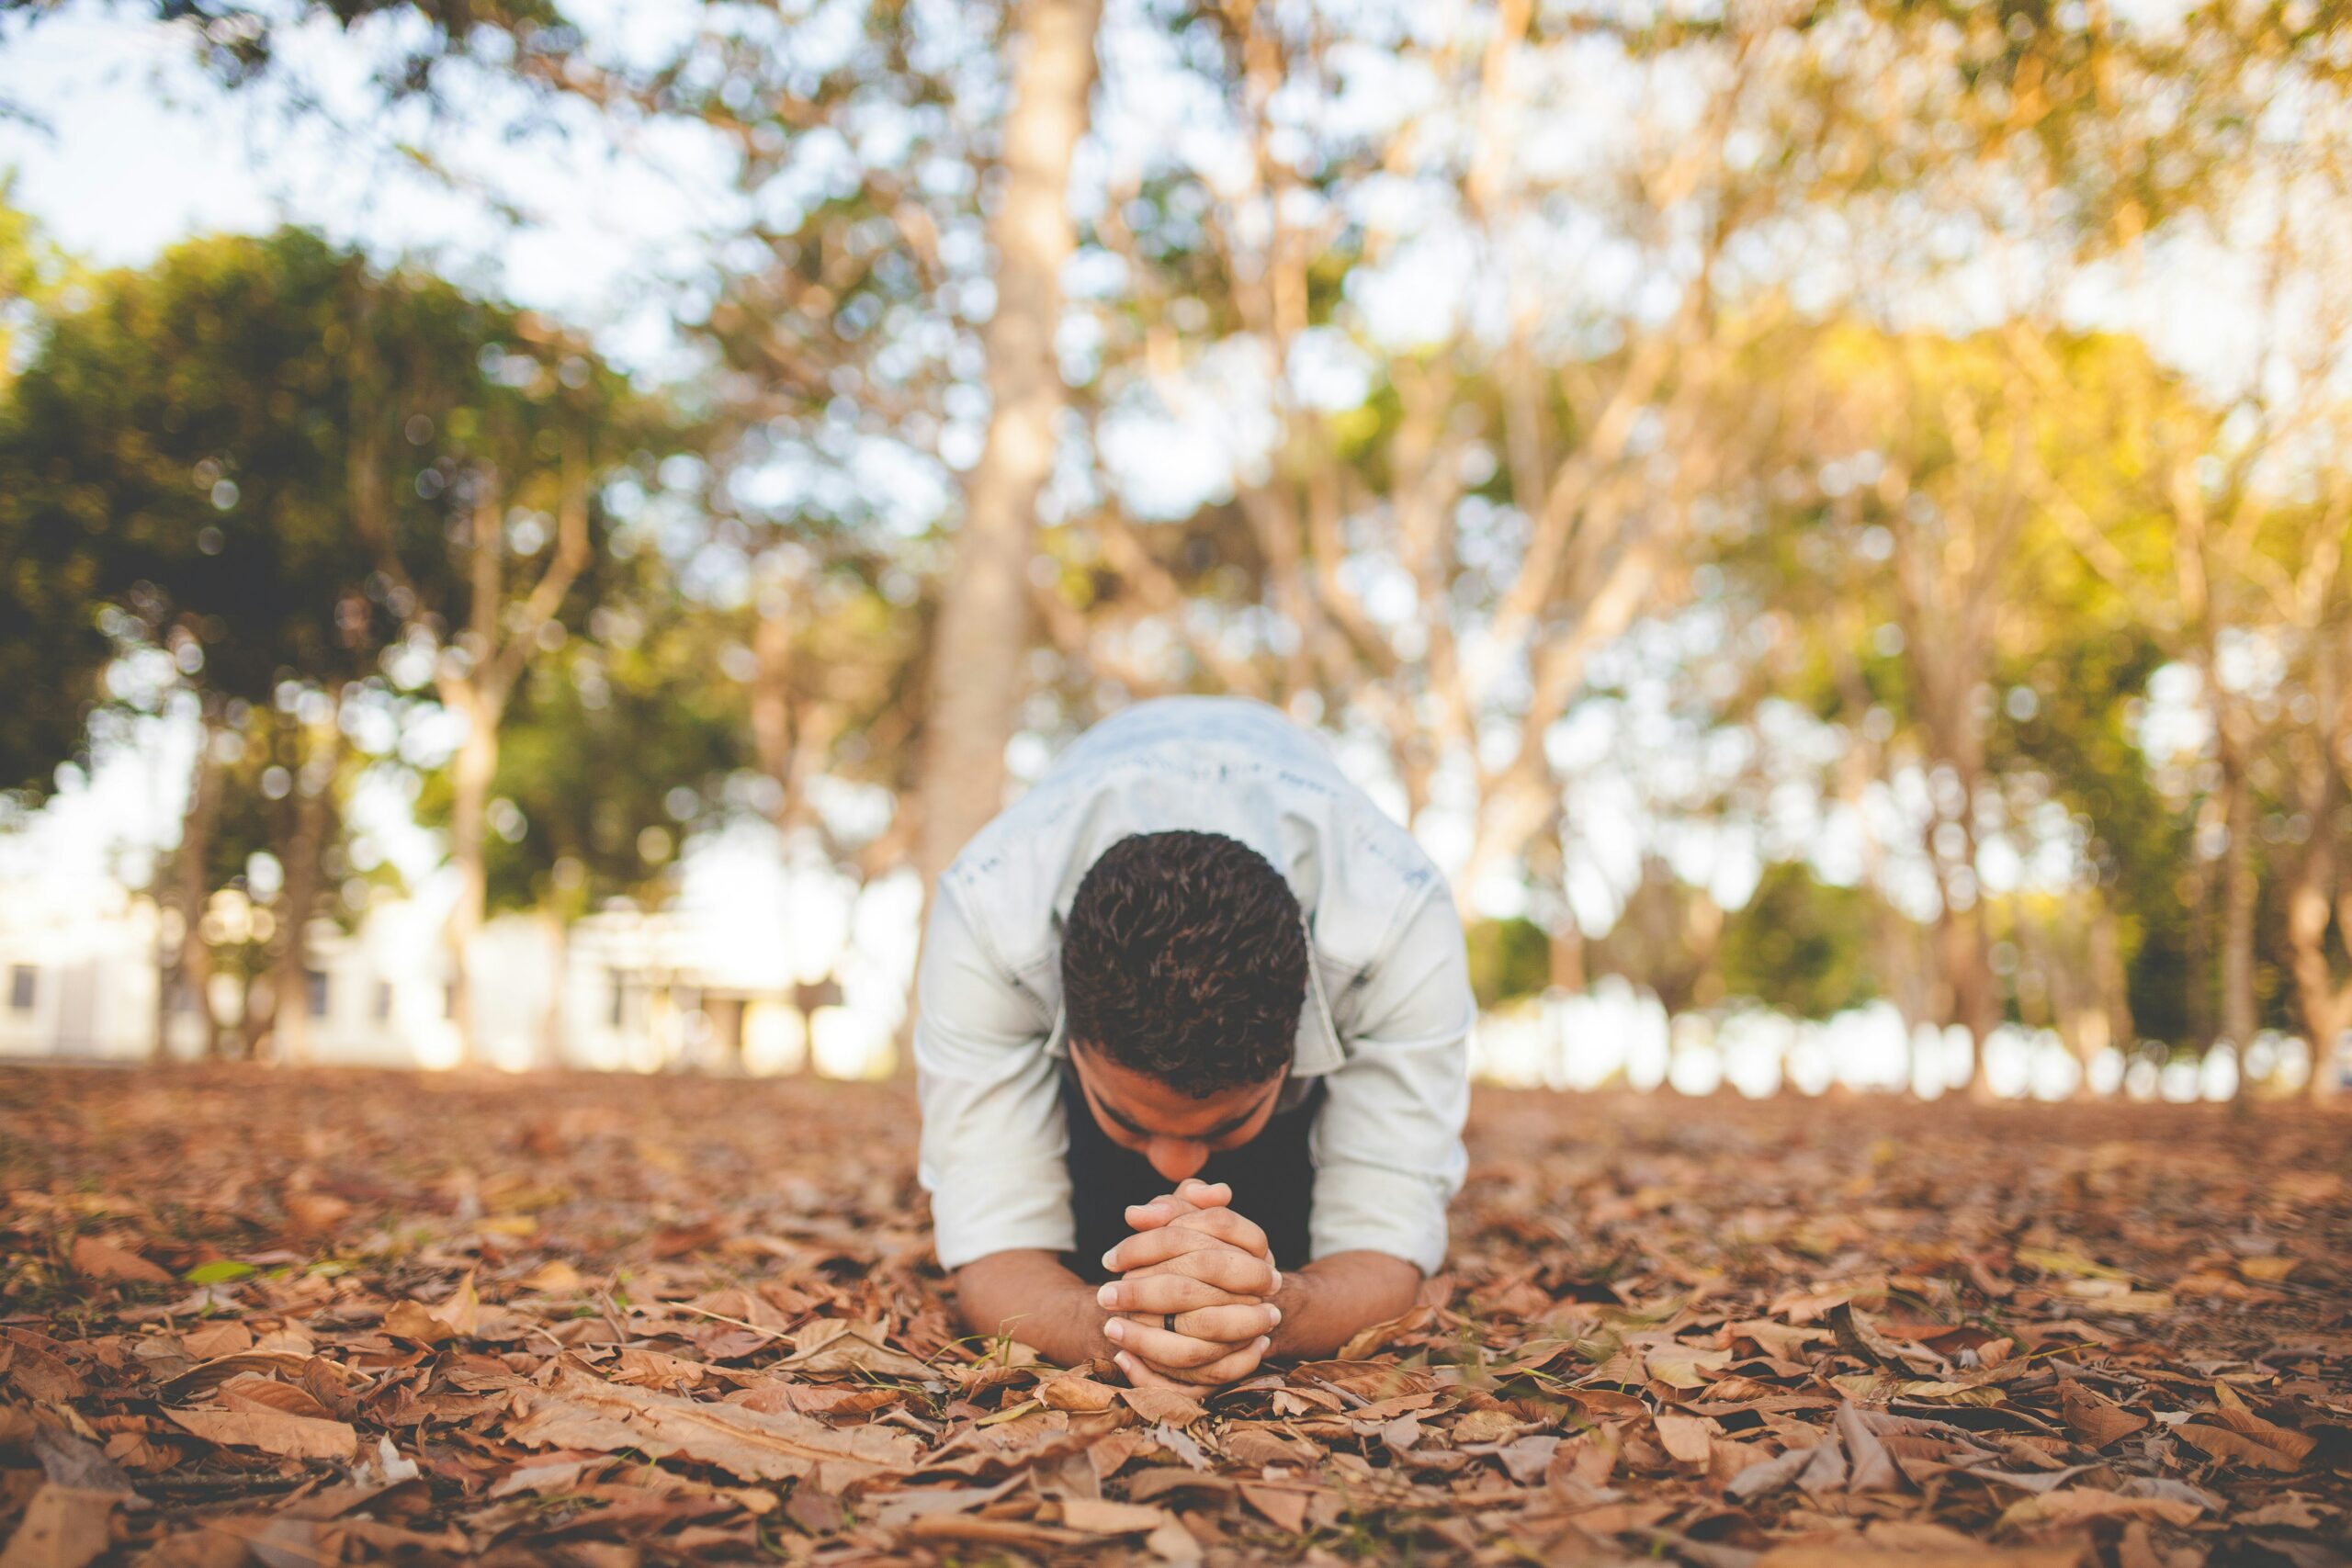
(1194, 1304)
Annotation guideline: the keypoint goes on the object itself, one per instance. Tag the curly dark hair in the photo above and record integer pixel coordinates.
(1184, 958)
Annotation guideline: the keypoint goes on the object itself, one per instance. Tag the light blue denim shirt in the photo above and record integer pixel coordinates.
(1386, 1025)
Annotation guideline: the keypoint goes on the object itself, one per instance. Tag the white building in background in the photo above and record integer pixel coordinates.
(77, 978)
(622, 990)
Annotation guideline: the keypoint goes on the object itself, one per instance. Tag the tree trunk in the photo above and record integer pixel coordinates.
(2112, 980)
(303, 851)
(551, 1030)
(1973, 999)
(471, 771)
(1567, 956)
(984, 624)
(2325, 1006)
(2238, 1021)
(192, 967)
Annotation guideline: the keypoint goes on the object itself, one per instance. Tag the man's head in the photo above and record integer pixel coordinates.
(1183, 971)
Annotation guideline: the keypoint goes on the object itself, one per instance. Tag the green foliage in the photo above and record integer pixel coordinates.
(1800, 945)
(173, 456)
(238, 43)
(1509, 959)
(612, 752)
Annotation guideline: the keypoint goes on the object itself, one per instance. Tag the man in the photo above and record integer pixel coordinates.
(1192, 1050)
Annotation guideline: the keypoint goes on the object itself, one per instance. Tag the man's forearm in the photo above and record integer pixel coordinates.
(1329, 1301)
(1030, 1296)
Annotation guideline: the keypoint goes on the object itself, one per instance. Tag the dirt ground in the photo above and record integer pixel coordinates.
(306, 1318)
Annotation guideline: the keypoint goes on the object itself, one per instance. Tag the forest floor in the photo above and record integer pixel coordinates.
(301, 1318)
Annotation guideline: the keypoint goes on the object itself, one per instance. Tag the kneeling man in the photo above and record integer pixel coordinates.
(1192, 1049)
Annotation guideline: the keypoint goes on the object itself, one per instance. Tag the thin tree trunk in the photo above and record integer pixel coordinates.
(2112, 980)
(2326, 1007)
(2196, 977)
(192, 967)
(1567, 966)
(471, 771)
(2238, 1021)
(984, 627)
(552, 1028)
(2311, 905)
(1971, 998)
(297, 900)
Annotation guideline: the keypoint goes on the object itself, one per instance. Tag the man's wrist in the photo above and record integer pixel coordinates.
(1294, 1299)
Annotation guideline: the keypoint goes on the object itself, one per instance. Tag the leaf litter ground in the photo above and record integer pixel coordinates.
(309, 1318)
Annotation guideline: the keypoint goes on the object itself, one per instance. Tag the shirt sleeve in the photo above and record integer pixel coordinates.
(1387, 1143)
(994, 1144)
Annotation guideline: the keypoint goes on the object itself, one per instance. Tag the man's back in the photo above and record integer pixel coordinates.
(1224, 765)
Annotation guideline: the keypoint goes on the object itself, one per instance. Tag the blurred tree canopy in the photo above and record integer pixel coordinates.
(1744, 484)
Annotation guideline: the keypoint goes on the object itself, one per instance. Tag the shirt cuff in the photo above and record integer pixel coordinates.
(1371, 1208)
(1001, 1207)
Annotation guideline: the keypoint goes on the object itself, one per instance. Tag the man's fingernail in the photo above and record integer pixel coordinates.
(1107, 1296)
(1278, 1316)
(1108, 1256)
(1264, 1344)
(1278, 1278)
(1116, 1329)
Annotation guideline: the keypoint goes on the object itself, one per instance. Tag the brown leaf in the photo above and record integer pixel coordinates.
(1283, 1507)
(1099, 1516)
(1368, 1340)
(272, 1432)
(315, 1213)
(652, 1368)
(1847, 1554)
(96, 1259)
(2096, 1420)
(63, 1527)
(201, 1380)
(1014, 1534)
(1526, 1459)
(893, 1509)
(1682, 1366)
(1172, 1406)
(838, 1345)
(1769, 1476)
(455, 1318)
(581, 1412)
(1872, 1467)
(1171, 1542)
(1827, 1472)
(1256, 1445)
(1482, 1426)
(2078, 1505)
(259, 1394)
(35, 1370)
(206, 1341)
(1074, 1393)
(2239, 1447)
(1685, 1438)
(2238, 1418)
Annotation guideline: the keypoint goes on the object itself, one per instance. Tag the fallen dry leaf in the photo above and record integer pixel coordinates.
(455, 1318)
(97, 1259)
(585, 1412)
(836, 1345)
(2075, 1504)
(271, 1431)
(1727, 1333)
(63, 1527)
